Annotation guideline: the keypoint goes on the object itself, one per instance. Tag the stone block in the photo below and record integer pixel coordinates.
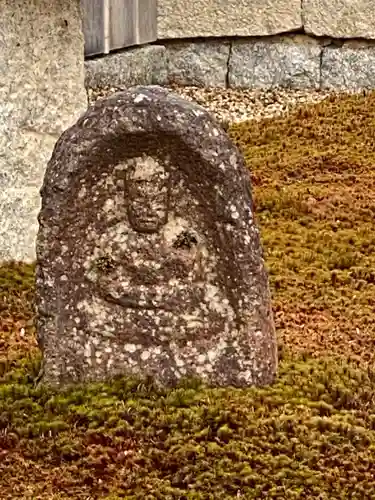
(350, 67)
(206, 18)
(200, 64)
(28, 155)
(340, 18)
(17, 228)
(41, 93)
(277, 62)
(149, 259)
(137, 66)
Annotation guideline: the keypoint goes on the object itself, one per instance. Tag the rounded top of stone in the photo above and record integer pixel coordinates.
(112, 128)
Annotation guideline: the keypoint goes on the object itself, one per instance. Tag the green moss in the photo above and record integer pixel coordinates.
(130, 440)
(310, 435)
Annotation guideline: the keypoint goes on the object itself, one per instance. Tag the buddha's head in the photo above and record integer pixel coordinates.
(147, 185)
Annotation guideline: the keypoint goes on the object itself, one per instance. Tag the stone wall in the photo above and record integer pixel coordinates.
(41, 93)
(317, 44)
(220, 18)
(292, 61)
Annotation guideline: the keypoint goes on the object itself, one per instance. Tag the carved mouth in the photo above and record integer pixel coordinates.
(146, 224)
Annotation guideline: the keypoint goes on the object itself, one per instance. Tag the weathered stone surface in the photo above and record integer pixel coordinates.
(350, 67)
(137, 66)
(198, 18)
(41, 93)
(16, 205)
(340, 18)
(280, 61)
(149, 259)
(199, 64)
(22, 166)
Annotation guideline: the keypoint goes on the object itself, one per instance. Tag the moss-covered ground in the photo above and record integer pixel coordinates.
(312, 434)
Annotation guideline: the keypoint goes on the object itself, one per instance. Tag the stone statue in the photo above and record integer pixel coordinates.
(149, 260)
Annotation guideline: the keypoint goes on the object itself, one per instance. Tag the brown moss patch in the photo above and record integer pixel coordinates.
(17, 331)
(314, 188)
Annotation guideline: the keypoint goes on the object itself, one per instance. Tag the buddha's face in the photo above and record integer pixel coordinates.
(147, 186)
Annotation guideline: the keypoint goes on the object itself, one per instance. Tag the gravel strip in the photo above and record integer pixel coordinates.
(236, 105)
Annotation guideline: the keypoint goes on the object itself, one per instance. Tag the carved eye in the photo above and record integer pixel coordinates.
(185, 240)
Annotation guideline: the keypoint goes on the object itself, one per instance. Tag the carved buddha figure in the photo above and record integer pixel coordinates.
(153, 259)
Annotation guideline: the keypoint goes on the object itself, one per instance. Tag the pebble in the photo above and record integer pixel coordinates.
(237, 105)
